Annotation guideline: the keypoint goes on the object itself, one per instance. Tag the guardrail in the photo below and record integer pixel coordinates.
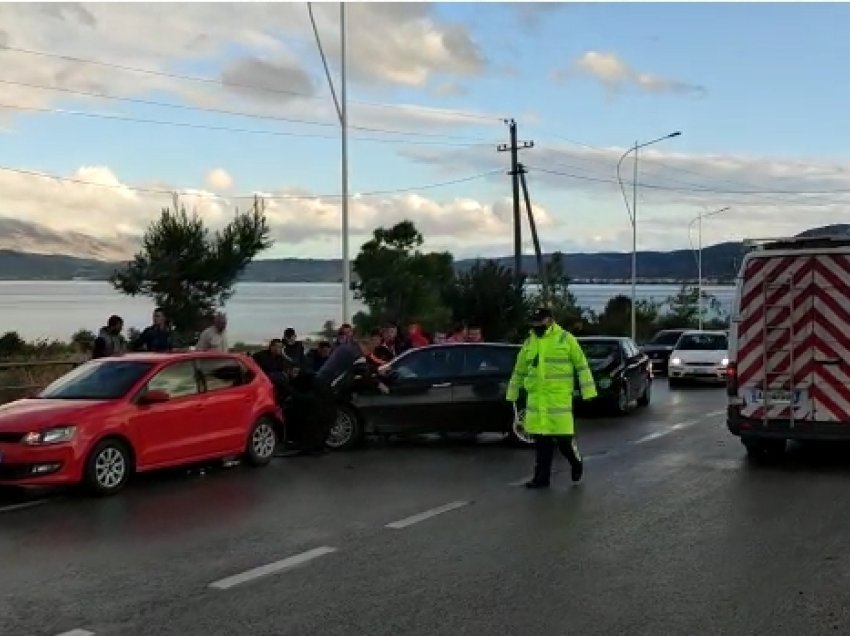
(25, 376)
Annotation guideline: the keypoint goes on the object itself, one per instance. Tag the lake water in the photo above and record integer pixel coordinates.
(257, 312)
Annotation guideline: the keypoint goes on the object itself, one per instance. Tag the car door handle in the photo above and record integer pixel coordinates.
(443, 385)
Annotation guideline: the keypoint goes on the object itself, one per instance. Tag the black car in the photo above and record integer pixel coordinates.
(660, 347)
(622, 373)
(447, 388)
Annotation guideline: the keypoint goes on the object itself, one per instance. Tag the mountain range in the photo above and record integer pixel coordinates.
(31, 252)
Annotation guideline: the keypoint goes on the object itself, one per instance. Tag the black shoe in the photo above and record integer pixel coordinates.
(536, 485)
(578, 471)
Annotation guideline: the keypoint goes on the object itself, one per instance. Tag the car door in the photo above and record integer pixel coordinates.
(635, 368)
(479, 395)
(228, 405)
(419, 398)
(169, 430)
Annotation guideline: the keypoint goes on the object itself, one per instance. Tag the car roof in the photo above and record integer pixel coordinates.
(709, 332)
(602, 338)
(171, 356)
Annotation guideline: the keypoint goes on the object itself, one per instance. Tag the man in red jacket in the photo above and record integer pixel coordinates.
(415, 336)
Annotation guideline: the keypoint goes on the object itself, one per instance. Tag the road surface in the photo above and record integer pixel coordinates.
(671, 532)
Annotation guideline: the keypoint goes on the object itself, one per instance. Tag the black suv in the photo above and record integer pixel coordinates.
(660, 347)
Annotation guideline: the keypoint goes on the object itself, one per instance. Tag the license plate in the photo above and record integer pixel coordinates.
(775, 396)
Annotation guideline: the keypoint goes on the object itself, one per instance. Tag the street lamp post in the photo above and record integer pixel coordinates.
(632, 212)
(698, 220)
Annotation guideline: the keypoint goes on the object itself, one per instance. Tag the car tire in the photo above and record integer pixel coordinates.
(765, 450)
(646, 397)
(108, 467)
(262, 442)
(518, 435)
(621, 402)
(346, 431)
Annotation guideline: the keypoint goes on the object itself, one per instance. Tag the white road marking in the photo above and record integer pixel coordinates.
(271, 568)
(77, 632)
(21, 506)
(652, 436)
(713, 413)
(422, 516)
(681, 425)
(521, 482)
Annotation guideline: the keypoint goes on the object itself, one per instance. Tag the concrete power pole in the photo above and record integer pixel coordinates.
(514, 147)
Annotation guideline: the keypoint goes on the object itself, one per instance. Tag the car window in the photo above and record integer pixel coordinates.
(430, 364)
(703, 342)
(97, 380)
(490, 360)
(178, 380)
(221, 373)
(600, 349)
(630, 348)
(666, 338)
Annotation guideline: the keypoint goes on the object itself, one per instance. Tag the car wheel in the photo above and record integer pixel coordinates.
(764, 450)
(622, 401)
(346, 431)
(518, 435)
(108, 467)
(262, 442)
(644, 399)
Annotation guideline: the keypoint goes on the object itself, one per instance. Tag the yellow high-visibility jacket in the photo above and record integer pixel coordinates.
(545, 368)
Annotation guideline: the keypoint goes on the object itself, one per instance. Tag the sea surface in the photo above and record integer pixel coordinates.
(256, 312)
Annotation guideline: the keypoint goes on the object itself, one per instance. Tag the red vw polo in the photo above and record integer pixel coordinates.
(110, 418)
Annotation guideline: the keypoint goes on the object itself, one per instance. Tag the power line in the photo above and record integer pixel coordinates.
(249, 131)
(278, 197)
(221, 83)
(220, 111)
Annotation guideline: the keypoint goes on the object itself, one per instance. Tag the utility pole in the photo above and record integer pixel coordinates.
(538, 252)
(343, 120)
(514, 149)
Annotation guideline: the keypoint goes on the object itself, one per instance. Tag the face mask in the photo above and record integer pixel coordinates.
(539, 330)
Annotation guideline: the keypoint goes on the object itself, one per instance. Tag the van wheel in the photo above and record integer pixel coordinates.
(108, 468)
(764, 449)
(262, 442)
(346, 431)
(644, 399)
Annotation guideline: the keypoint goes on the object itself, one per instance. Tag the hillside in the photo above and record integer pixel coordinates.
(720, 263)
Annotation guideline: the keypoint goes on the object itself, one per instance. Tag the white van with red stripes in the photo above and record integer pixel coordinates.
(789, 344)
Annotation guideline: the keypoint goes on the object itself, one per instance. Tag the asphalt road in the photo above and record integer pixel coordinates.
(671, 532)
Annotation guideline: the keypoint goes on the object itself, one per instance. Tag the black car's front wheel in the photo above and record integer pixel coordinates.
(346, 431)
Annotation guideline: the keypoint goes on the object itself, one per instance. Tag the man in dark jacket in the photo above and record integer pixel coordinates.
(157, 337)
(318, 356)
(293, 349)
(109, 341)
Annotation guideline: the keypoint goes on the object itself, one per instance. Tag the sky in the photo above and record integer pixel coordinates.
(107, 108)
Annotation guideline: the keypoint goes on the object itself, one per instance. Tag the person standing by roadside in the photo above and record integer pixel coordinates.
(474, 334)
(157, 337)
(378, 355)
(415, 336)
(318, 356)
(214, 337)
(110, 341)
(458, 334)
(293, 349)
(546, 367)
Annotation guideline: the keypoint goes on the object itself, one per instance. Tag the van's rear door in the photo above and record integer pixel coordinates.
(830, 367)
(774, 338)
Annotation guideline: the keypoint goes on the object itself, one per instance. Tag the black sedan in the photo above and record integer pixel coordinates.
(448, 388)
(622, 373)
(660, 347)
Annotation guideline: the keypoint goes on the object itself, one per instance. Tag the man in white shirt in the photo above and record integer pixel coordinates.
(214, 337)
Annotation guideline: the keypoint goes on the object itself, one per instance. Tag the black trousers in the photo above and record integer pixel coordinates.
(544, 448)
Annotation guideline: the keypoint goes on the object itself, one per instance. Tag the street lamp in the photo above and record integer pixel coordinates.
(698, 219)
(632, 212)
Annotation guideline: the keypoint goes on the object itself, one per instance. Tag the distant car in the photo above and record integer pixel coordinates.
(447, 388)
(622, 373)
(700, 356)
(113, 417)
(660, 347)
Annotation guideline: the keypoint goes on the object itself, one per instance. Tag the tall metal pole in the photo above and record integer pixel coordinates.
(538, 252)
(517, 217)
(634, 244)
(699, 273)
(346, 264)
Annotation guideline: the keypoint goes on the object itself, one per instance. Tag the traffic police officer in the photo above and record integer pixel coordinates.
(546, 366)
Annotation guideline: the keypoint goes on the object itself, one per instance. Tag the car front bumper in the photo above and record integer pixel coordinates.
(745, 428)
(697, 374)
(38, 466)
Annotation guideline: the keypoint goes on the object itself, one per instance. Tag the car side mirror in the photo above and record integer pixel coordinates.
(154, 397)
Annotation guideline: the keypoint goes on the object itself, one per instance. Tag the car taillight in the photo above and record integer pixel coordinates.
(731, 379)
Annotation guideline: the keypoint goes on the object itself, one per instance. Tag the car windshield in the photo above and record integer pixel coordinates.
(101, 380)
(600, 349)
(702, 342)
(666, 338)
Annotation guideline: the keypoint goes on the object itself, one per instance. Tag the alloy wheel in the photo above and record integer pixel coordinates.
(342, 430)
(263, 440)
(110, 468)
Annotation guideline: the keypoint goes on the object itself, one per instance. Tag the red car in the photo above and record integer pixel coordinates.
(112, 417)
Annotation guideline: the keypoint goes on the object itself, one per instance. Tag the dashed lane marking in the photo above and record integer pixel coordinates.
(77, 632)
(652, 436)
(271, 568)
(713, 413)
(521, 482)
(22, 506)
(422, 516)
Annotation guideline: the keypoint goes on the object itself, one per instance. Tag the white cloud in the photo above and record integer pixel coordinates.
(219, 180)
(616, 74)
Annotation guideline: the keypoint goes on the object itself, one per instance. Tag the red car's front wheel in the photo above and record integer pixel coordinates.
(108, 467)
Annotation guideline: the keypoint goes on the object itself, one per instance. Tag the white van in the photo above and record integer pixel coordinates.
(789, 347)
(699, 356)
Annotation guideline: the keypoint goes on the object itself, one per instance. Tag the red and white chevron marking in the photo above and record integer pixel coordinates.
(820, 298)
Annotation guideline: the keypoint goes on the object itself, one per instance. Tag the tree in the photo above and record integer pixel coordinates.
(486, 296)
(11, 345)
(683, 309)
(616, 318)
(83, 340)
(189, 271)
(398, 282)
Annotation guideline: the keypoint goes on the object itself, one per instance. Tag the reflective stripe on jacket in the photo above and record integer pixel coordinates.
(546, 367)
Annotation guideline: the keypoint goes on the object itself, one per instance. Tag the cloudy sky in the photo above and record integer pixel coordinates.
(128, 102)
